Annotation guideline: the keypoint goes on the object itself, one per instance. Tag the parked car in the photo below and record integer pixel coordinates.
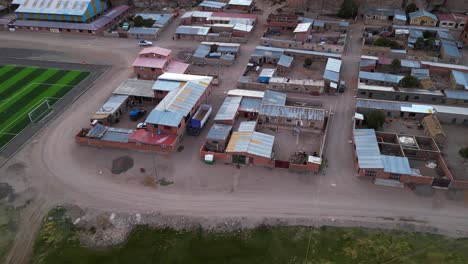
(342, 87)
(125, 26)
(145, 43)
(136, 114)
(141, 126)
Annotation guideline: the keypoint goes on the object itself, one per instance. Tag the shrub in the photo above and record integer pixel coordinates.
(308, 61)
(464, 153)
(385, 42)
(396, 65)
(409, 81)
(348, 9)
(411, 8)
(375, 119)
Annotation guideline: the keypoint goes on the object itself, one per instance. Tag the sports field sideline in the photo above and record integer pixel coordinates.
(24, 90)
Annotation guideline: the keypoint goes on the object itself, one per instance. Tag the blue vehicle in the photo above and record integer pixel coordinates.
(136, 114)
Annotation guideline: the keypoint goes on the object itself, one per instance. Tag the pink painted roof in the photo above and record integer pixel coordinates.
(234, 15)
(385, 61)
(156, 50)
(149, 62)
(460, 16)
(177, 67)
(446, 17)
(145, 137)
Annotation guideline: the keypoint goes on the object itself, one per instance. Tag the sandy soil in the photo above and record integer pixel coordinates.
(61, 171)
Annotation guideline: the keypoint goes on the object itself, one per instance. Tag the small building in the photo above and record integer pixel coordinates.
(265, 75)
(250, 107)
(282, 22)
(251, 148)
(285, 63)
(240, 5)
(191, 33)
(247, 126)
(111, 111)
(228, 111)
(423, 18)
(378, 78)
(459, 80)
(396, 16)
(302, 31)
(447, 21)
(280, 116)
(140, 92)
(313, 87)
(274, 98)
(456, 97)
(433, 128)
(154, 61)
(216, 53)
(143, 33)
(211, 6)
(449, 52)
(331, 75)
(218, 137)
(161, 20)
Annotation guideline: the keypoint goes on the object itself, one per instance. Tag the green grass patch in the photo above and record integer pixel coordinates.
(24, 88)
(58, 243)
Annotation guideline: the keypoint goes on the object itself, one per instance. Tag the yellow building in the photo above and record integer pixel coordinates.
(423, 18)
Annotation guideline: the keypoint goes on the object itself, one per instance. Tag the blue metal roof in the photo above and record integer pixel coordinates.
(143, 31)
(293, 112)
(268, 52)
(378, 76)
(219, 132)
(160, 20)
(192, 30)
(461, 78)
(56, 7)
(445, 35)
(202, 51)
(249, 104)
(274, 98)
(117, 134)
(254, 143)
(164, 118)
(168, 86)
(461, 95)
(420, 73)
(285, 61)
(415, 33)
(399, 165)
(228, 109)
(212, 4)
(451, 50)
(331, 75)
(379, 104)
(367, 149)
(247, 126)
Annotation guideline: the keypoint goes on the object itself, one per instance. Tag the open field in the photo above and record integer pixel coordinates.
(27, 93)
(58, 243)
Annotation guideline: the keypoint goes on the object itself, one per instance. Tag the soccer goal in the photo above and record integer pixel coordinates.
(39, 111)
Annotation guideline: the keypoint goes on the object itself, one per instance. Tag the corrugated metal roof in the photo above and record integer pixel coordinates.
(212, 4)
(302, 27)
(143, 30)
(247, 126)
(186, 98)
(240, 2)
(364, 63)
(266, 72)
(445, 65)
(201, 51)
(182, 77)
(254, 143)
(380, 104)
(293, 112)
(136, 87)
(245, 93)
(164, 85)
(445, 35)
(331, 75)
(399, 165)
(228, 109)
(285, 61)
(333, 65)
(268, 52)
(117, 134)
(461, 78)
(242, 27)
(421, 109)
(452, 110)
(164, 118)
(192, 30)
(219, 132)
(378, 76)
(274, 98)
(363, 86)
(410, 64)
(319, 23)
(249, 104)
(367, 149)
(420, 73)
(461, 95)
(415, 33)
(421, 13)
(451, 50)
(57, 7)
(314, 53)
(112, 104)
(421, 91)
(97, 131)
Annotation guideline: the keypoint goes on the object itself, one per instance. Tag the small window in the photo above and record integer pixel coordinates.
(416, 98)
(412, 114)
(370, 173)
(167, 127)
(289, 120)
(363, 93)
(395, 176)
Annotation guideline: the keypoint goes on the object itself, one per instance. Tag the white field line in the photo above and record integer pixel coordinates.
(26, 87)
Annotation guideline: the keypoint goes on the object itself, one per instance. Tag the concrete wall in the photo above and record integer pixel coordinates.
(296, 88)
(401, 96)
(211, 61)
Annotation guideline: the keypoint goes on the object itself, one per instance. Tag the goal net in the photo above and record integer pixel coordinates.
(39, 111)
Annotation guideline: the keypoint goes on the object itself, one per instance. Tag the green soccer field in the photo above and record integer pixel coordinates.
(27, 94)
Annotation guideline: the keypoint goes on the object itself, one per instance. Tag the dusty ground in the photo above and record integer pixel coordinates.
(61, 171)
(456, 138)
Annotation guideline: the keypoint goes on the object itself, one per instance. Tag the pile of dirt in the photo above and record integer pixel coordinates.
(5, 190)
(122, 164)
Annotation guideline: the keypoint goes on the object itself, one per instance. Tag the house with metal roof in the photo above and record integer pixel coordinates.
(161, 20)
(192, 32)
(250, 107)
(111, 111)
(459, 80)
(396, 16)
(139, 91)
(423, 18)
(285, 63)
(308, 86)
(81, 11)
(291, 116)
(143, 33)
(218, 137)
(228, 111)
(154, 61)
(216, 53)
(247, 126)
(274, 98)
(331, 75)
(240, 5)
(211, 6)
(449, 52)
(251, 147)
(385, 79)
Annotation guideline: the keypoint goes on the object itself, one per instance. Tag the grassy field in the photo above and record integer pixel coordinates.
(57, 243)
(22, 89)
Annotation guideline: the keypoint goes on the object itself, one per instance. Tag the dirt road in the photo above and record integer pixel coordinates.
(62, 171)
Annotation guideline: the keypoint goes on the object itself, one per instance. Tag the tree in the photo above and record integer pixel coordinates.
(308, 61)
(429, 42)
(411, 8)
(148, 22)
(419, 43)
(375, 119)
(385, 42)
(409, 81)
(396, 65)
(427, 34)
(138, 21)
(464, 153)
(348, 9)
